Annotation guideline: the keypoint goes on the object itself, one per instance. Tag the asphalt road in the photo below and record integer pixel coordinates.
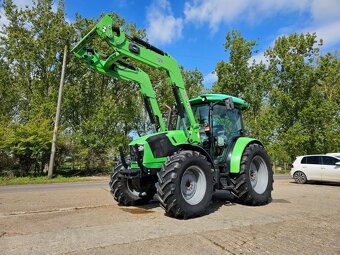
(76, 185)
(83, 219)
(54, 186)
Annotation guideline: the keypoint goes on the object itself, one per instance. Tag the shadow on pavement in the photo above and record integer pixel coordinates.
(323, 183)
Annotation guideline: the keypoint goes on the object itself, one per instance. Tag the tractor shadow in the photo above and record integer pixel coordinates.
(141, 209)
(219, 199)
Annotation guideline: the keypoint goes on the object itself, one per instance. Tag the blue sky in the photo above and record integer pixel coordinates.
(193, 31)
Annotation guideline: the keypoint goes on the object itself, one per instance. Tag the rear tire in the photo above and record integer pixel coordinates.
(254, 183)
(185, 185)
(124, 192)
(300, 177)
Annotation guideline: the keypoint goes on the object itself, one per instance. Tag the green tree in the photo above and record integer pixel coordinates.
(292, 62)
(193, 80)
(304, 93)
(29, 143)
(242, 78)
(294, 100)
(233, 76)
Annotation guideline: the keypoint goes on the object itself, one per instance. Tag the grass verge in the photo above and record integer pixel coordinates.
(44, 179)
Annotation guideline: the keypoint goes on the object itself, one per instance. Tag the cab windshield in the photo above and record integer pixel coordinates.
(224, 125)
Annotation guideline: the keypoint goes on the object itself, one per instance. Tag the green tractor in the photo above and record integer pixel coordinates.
(205, 151)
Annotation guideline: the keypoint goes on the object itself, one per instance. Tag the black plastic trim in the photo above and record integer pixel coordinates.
(148, 45)
(178, 101)
(134, 48)
(148, 109)
(122, 157)
(116, 30)
(127, 65)
(161, 146)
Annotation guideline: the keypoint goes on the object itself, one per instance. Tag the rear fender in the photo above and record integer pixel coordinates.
(236, 155)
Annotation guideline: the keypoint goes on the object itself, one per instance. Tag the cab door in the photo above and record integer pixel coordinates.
(226, 127)
(330, 171)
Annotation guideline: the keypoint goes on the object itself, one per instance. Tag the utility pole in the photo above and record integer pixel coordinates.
(57, 116)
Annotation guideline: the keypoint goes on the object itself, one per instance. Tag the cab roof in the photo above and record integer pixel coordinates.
(239, 103)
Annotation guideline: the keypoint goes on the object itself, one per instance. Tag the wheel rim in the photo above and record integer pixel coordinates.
(193, 185)
(258, 174)
(300, 177)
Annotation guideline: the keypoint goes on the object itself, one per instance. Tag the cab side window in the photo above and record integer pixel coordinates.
(227, 124)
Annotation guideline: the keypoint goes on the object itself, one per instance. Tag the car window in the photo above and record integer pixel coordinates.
(313, 160)
(304, 160)
(329, 160)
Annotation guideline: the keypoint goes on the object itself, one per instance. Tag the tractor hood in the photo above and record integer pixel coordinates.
(154, 148)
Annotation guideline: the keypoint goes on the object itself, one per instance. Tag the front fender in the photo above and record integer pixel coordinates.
(236, 154)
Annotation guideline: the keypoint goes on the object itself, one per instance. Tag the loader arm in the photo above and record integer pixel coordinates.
(124, 71)
(126, 47)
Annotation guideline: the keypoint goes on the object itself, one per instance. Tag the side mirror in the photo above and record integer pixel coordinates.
(229, 104)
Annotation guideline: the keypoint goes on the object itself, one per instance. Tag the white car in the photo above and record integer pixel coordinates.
(335, 154)
(316, 168)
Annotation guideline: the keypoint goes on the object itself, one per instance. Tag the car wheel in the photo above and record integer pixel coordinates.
(300, 177)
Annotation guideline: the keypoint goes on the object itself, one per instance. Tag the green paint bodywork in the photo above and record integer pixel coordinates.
(176, 137)
(120, 43)
(236, 154)
(112, 66)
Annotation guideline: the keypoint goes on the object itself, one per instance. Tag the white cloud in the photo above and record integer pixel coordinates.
(330, 33)
(213, 11)
(163, 27)
(323, 10)
(23, 3)
(324, 15)
(258, 58)
(3, 18)
(216, 12)
(209, 79)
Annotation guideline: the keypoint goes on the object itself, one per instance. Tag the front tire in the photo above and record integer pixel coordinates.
(125, 193)
(254, 183)
(185, 185)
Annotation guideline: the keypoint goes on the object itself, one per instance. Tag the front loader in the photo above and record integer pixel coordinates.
(206, 151)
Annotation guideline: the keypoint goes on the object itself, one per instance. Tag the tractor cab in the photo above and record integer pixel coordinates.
(220, 122)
